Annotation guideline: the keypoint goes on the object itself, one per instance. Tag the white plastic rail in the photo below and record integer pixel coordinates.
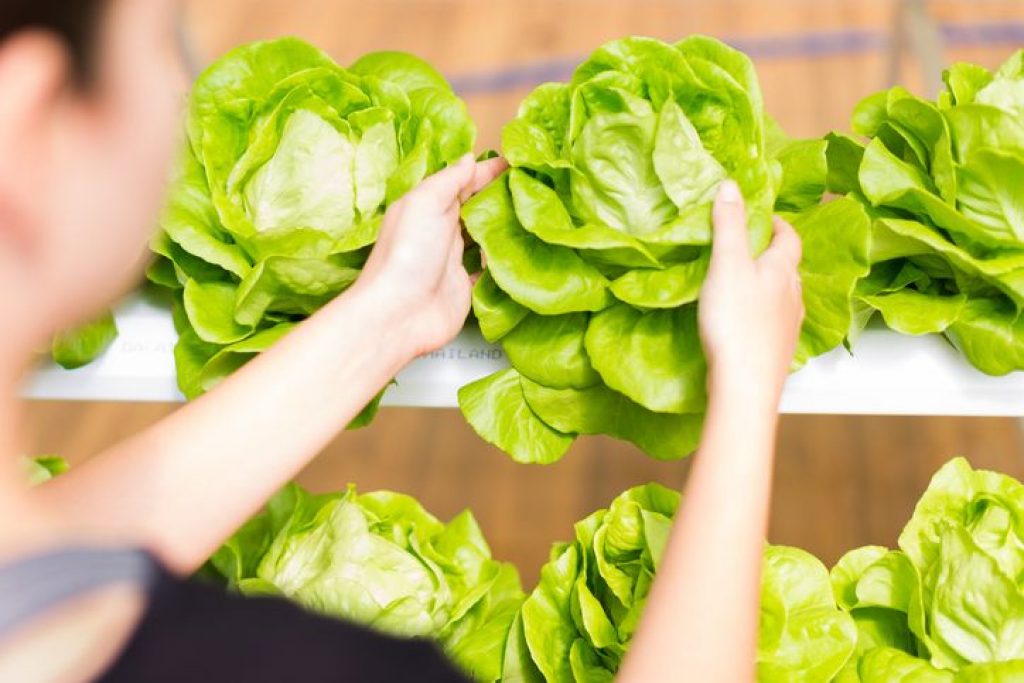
(888, 374)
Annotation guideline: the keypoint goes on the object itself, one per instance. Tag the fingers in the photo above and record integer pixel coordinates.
(786, 249)
(457, 183)
(729, 216)
(455, 251)
(485, 173)
(446, 187)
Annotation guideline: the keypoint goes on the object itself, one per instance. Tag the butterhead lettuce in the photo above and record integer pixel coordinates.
(943, 181)
(381, 560)
(598, 240)
(289, 165)
(949, 603)
(578, 623)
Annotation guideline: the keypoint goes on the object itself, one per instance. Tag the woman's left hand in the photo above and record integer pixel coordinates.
(415, 273)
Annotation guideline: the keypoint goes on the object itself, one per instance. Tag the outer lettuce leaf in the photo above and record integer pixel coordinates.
(992, 673)
(496, 408)
(495, 311)
(44, 468)
(568, 365)
(977, 612)
(803, 635)
(804, 167)
(990, 334)
(889, 665)
(833, 262)
(547, 617)
(546, 278)
(653, 357)
(600, 410)
(79, 347)
(477, 640)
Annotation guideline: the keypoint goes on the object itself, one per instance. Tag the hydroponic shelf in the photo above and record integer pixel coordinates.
(888, 374)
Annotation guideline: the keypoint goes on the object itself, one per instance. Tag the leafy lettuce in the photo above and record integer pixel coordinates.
(949, 604)
(598, 239)
(943, 183)
(79, 347)
(289, 165)
(577, 624)
(381, 560)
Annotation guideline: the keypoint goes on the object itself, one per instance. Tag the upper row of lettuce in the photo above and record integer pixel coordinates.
(598, 237)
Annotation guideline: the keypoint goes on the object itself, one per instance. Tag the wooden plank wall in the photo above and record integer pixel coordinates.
(840, 481)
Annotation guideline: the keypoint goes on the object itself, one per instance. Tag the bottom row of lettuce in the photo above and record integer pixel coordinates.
(947, 605)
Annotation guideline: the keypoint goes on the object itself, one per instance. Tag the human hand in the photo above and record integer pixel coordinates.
(415, 273)
(750, 310)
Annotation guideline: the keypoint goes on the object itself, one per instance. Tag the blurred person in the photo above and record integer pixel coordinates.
(92, 565)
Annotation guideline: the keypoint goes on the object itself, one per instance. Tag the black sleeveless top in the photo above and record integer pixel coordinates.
(195, 632)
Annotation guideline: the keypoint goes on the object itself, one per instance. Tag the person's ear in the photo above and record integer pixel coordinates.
(35, 70)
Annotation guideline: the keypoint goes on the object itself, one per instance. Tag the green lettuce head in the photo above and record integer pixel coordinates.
(942, 181)
(951, 599)
(381, 560)
(289, 165)
(598, 240)
(577, 624)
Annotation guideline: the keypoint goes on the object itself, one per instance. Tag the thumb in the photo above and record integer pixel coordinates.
(730, 241)
(786, 248)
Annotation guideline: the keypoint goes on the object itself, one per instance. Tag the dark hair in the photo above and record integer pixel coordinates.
(74, 21)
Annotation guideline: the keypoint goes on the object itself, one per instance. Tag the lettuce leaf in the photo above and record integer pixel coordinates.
(78, 347)
(44, 468)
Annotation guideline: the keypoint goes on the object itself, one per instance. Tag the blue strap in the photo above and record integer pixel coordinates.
(31, 587)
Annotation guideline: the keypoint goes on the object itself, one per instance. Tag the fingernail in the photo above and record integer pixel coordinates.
(467, 158)
(729, 191)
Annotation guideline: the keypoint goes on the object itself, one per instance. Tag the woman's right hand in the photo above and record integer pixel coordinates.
(750, 310)
(702, 612)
